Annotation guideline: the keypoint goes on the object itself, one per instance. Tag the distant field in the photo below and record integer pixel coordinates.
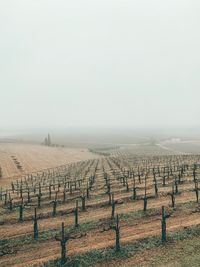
(33, 157)
(36, 157)
(192, 147)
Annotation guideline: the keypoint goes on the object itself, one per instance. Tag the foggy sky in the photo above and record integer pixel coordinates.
(128, 63)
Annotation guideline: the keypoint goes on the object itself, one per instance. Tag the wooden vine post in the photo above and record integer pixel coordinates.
(76, 215)
(63, 240)
(35, 225)
(164, 225)
(116, 227)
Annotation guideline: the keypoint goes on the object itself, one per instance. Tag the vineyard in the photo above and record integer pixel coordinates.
(97, 208)
(99, 133)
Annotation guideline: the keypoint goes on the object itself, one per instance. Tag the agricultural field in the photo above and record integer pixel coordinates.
(99, 133)
(18, 159)
(189, 146)
(117, 210)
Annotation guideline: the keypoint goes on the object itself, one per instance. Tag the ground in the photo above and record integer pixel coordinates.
(33, 157)
(94, 239)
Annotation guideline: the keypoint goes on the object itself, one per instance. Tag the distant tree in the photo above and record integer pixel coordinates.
(49, 140)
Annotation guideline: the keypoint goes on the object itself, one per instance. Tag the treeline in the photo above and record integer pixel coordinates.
(104, 151)
(48, 142)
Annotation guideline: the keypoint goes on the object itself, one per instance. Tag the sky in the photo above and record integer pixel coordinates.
(99, 63)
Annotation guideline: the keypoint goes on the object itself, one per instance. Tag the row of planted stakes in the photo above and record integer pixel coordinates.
(75, 182)
(17, 163)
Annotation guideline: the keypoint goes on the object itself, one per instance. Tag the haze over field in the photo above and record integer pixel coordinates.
(82, 65)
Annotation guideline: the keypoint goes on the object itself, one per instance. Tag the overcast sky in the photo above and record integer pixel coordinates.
(129, 63)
